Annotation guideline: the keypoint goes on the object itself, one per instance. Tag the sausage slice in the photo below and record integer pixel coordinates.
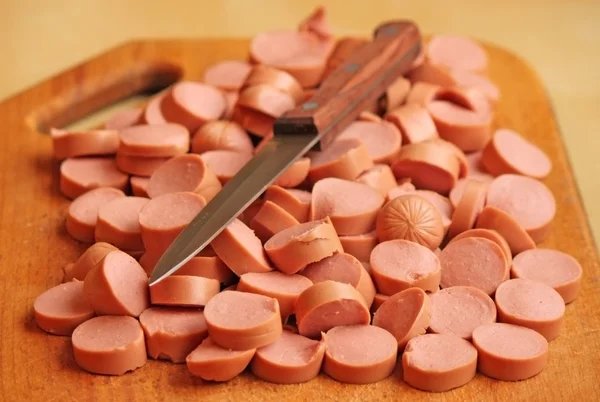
(221, 135)
(184, 290)
(138, 165)
(457, 53)
(154, 141)
(211, 362)
(514, 234)
(228, 75)
(83, 212)
(69, 144)
(344, 159)
(276, 78)
(360, 246)
(296, 202)
(468, 208)
(59, 310)
(118, 223)
(79, 175)
(414, 122)
(459, 188)
(152, 113)
(380, 177)
(271, 219)
(88, 260)
(382, 139)
(490, 235)
(295, 175)
(123, 119)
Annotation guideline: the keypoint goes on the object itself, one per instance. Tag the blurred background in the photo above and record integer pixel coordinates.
(559, 38)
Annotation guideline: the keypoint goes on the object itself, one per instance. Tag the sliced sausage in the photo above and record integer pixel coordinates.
(271, 219)
(380, 177)
(228, 75)
(294, 248)
(359, 354)
(421, 93)
(251, 210)
(395, 95)
(295, 174)
(382, 139)
(316, 24)
(496, 219)
(344, 159)
(123, 119)
(231, 99)
(531, 304)
(232, 326)
(296, 202)
(154, 140)
(508, 152)
(457, 53)
(458, 310)
(138, 165)
(118, 223)
(473, 261)
(468, 208)
(554, 268)
(438, 362)
(184, 173)
(59, 310)
(463, 163)
(378, 301)
(68, 144)
(225, 164)
(192, 104)
(110, 345)
(88, 260)
(360, 246)
(266, 99)
(211, 362)
(221, 135)
(489, 234)
(276, 78)
(459, 188)
(352, 207)
(79, 175)
(528, 201)
(139, 186)
(420, 267)
(367, 115)
(282, 287)
(510, 352)
(253, 121)
(430, 73)
(83, 212)
(152, 113)
(117, 285)
(291, 359)
(414, 123)
(472, 80)
(172, 333)
(184, 290)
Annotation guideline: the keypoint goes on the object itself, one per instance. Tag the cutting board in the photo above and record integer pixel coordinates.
(34, 246)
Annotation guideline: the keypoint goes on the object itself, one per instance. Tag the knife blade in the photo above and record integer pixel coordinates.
(354, 86)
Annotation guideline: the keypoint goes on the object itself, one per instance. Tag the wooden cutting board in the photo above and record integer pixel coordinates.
(34, 246)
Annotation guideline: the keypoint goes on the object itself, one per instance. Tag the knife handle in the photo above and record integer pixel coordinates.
(357, 84)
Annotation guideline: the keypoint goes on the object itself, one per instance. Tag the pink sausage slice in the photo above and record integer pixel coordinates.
(472, 80)
(473, 261)
(405, 315)
(192, 104)
(396, 94)
(184, 290)
(554, 268)
(211, 362)
(295, 202)
(490, 235)
(378, 301)
(316, 24)
(68, 144)
(251, 210)
(382, 139)
(117, 285)
(514, 234)
(295, 174)
(509, 352)
(59, 310)
(110, 345)
(139, 186)
(276, 78)
(359, 354)
(291, 359)
(138, 165)
(80, 175)
(123, 119)
(458, 310)
(531, 304)
(221, 135)
(172, 333)
(379, 177)
(468, 208)
(225, 164)
(294, 248)
(155, 141)
(265, 99)
(457, 53)
(421, 93)
(118, 223)
(271, 219)
(242, 321)
(228, 75)
(430, 73)
(184, 173)
(282, 287)
(83, 212)
(152, 113)
(420, 267)
(88, 260)
(360, 246)
(438, 362)
(414, 122)
(344, 159)
(459, 188)
(441, 203)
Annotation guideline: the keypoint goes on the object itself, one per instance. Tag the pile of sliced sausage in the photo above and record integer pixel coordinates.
(414, 234)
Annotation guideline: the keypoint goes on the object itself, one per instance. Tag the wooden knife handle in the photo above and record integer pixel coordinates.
(356, 84)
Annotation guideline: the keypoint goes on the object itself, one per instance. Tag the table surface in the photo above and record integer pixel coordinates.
(559, 38)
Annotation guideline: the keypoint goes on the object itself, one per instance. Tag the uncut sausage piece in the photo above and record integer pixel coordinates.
(110, 345)
(379, 177)
(531, 304)
(68, 144)
(508, 352)
(473, 261)
(468, 208)
(294, 201)
(457, 53)
(438, 363)
(554, 268)
(80, 175)
(242, 321)
(118, 223)
(294, 248)
(228, 75)
(471, 80)
(329, 304)
(344, 159)
(458, 310)
(138, 165)
(283, 287)
(291, 359)
(154, 141)
(382, 139)
(184, 290)
(184, 173)
(211, 362)
(352, 206)
(342, 268)
(123, 119)
(172, 333)
(441, 203)
(221, 134)
(117, 285)
(360, 246)
(414, 122)
(529, 201)
(496, 219)
(490, 235)
(359, 354)
(88, 260)
(420, 267)
(83, 212)
(59, 310)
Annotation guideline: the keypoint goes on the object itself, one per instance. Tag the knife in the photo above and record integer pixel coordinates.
(353, 87)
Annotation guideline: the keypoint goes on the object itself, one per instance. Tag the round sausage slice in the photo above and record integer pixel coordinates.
(378, 300)
(359, 354)
(123, 119)
(117, 285)
(329, 304)
(110, 345)
(139, 186)
(184, 173)
(138, 165)
(154, 141)
(59, 310)
(395, 95)
(228, 75)
(459, 188)
(510, 352)
(118, 223)
(172, 333)
(316, 24)
(458, 310)
(382, 139)
(242, 321)
(291, 359)
(295, 174)
(438, 362)
(184, 290)
(225, 164)
(271, 219)
(554, 268)
(211, 362)
(430, 73)
(420, 267)
(83, 212)
(221, 135)
(192, 104)
(531, 304)
(473, 261)
(360, 246)
(152, 113)
(68, 144)
(490, 235)
(457, 53)
(468, 208)
(254, 121)
(80, 175)
(379, 177)
(414, 122)
(344, 159)
(265, 99)
(496, 219)
(421, 93)
(295, 202)
(441, 203)
(88, 260)
(278, 79)
(282, 287)
(472, 80)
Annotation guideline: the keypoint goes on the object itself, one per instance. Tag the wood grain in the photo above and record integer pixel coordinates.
(34, 246)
